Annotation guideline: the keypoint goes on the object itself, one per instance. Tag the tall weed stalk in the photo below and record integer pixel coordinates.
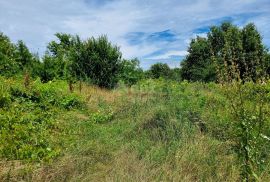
(248, 107)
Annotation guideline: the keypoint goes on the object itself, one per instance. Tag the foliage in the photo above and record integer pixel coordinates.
(8, 64)
(247, 92)
(184, 130)
(101, 117)
(198, 66)
(131, 72)
(249, 126)
(169, 130)
(224, 45)
(16, 58)
(159, 70)
(102, 62)
(27, 119)
(176, 74)
(96, 60)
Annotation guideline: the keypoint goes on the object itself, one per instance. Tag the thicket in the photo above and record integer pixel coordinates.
(243, 47)
(27, 118)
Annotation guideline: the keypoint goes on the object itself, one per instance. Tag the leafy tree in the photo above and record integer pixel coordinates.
(176, 74)
(159, 70)
(8, 65)
(226, 47)
(253, 51)
(267, 63)
(102, 62)
(96, 60)
(48, 69)
(131, 72)
(23, 56)
(59, 53)
(232, 53)
(16, 58)
(216, 40)
(27, 61)
(198, 65)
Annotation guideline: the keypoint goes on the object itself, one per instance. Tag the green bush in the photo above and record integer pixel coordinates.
(71, 101)
(26, 136)
(102, 117)
(27, 118)
(4, 98)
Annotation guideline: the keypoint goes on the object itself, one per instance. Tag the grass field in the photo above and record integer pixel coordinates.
(154, 131)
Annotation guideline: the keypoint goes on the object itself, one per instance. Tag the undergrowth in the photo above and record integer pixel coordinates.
(154, 131)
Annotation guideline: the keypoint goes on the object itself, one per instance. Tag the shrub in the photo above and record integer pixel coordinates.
(71, 101)
(26, 136)
(102, 117)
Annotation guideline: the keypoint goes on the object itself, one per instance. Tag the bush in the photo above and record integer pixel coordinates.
(27, 118)
(26, 136)
(71, 101)
(101, 117)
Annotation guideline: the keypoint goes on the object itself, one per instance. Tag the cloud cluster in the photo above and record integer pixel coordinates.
(153, 31)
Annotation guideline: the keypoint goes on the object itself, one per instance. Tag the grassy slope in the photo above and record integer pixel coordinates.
(156, 131)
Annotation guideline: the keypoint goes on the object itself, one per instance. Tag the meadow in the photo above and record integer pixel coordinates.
(155, 130)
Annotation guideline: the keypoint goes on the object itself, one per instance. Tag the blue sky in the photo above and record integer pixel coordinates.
(152, 30)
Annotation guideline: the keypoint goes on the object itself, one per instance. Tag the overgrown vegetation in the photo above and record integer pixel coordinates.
(27, 118)
(85, 114)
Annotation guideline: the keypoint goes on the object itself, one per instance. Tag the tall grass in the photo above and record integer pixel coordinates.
(153, 131)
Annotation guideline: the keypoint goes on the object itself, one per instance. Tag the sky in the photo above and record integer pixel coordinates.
(151, 30)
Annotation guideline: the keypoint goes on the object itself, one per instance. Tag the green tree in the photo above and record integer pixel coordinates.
(176, 74)
(48, 69)
(227, 49)
(267, 63)
(232, 54)
(59, 53)
(8, 65)
(27, 61)
(197, 66)
(101, 62)
(253, 51)
(96, 60)
(16, 58)
(131, 72)
(159, 70)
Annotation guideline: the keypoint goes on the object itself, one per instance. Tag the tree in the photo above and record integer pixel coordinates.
(16, 58)
(59, 53)
(267, 63)
(226, 47)
(176, 74)
(8, 65)
(27, 61)
(232, 54)
(198, 65)
(159, 70)
(101, 62)
(96, 60)
(48, 69)
(23, 56)
(253, 51)
(131, 72)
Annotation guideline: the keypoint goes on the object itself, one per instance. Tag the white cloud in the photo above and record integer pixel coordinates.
(36, 21)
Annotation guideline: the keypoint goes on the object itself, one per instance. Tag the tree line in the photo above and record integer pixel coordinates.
(226, 49)
(94, 60)
(98, 61)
